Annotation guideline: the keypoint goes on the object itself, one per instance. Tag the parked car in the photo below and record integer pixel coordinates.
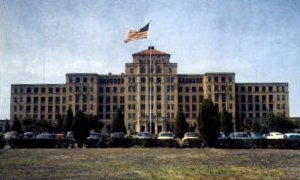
(190, 135)
(29, 135)
(292, 136)
(192, 139)
(45, 135)
(166, 135)
(143, 135)
(239, 135)
(275, 135)
(94, 140)
(11, 135)
(221, 135)
(69, 135)
(96, 136)
(256, 135)
(117, 135)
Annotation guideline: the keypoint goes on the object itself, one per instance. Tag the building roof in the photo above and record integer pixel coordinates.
(152, 50)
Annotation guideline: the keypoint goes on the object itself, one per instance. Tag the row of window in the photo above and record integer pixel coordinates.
(168, 79)
(42, 109)
(111, 89)
(258, 107)
(36, 90)
(220, 79)
(263, 98)
(107, 80)
(156, 69)
(260, 88)
(81, 79)
(186, 80)
(109, 99)
(37, 100)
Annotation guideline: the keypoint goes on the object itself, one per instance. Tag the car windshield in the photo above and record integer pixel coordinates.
(240, 135)
(144, 134)
(191, 135)
(166, 134)
(256, 134)
(95, 135)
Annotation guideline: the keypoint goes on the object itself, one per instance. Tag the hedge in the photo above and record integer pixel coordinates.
(37, 143)
(2, 143)
(127, 142)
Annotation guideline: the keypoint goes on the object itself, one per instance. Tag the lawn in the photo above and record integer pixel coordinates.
(149, 163)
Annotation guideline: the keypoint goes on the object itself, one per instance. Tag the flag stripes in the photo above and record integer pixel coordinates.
(136, 35)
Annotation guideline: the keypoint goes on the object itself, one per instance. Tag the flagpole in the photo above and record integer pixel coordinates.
(150, 111)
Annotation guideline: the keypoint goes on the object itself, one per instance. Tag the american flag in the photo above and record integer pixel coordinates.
(135, 35)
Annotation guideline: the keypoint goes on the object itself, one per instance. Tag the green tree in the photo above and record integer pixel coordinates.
(59, 123)
(209, 123)
(95, 123)
(17, 126)
(256, 127)
(29, 124)
(68, 121)
(226, 122)
(181, 125)
(239, 121)
(277, 123)
(118, 124)
(80, 128)
(7, 126)
(43, 126)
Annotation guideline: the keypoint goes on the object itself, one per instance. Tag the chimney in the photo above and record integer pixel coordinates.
(151, 47)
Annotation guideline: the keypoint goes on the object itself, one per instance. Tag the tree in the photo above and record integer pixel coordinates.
(239, 121)
(181, 125)
(256, 127)
(68, 121)
(80, 128)
(226, 122)
(29, 124)
(59, 123)
(277, 123)
(95, 123)
(118, 124)
(43, 126)
(7, 126)
(17, 126)
(209, 123)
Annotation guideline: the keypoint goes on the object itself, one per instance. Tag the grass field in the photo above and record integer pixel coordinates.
(149, 163)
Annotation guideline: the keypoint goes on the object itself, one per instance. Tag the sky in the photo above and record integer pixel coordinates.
(258, 40)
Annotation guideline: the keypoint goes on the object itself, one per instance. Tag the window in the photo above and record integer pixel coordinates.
(187, 89)
(249, 89)
(223, 79)
(158, 70)
(107, 89)
(200, 89)
(179, 89)
(158, 80)
(270, 89)
(142, 69)
(216, 79)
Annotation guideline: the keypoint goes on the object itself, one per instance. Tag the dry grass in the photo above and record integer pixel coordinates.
(154, 163)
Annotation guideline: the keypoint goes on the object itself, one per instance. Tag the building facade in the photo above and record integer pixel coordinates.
(149, 81)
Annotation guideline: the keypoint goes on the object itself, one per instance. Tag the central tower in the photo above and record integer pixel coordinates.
(161, 77)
